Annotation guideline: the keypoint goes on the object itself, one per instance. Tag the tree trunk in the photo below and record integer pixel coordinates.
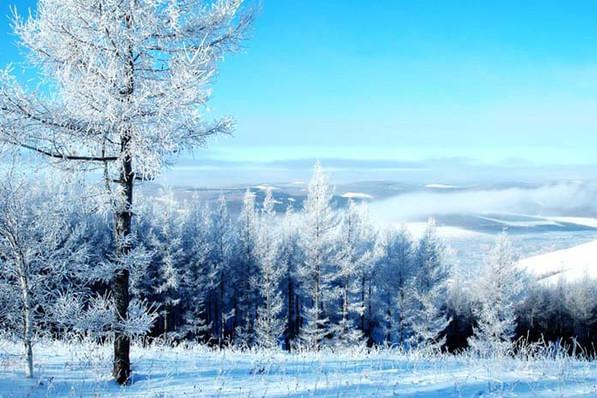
(27, 326)
(291, 327)
(166, 323)
(363, 301)
(221, 314)
(120, 286)
(344, 331)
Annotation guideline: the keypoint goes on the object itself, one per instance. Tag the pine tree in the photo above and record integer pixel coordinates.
(246, 294)
(499, 290)
(196, 278)
(395, 253)
(319, 224)
(353, 258)
(580, 299)
(426, 313)
(269, 324)
(290, 256)
(220, 259)
(165, 240)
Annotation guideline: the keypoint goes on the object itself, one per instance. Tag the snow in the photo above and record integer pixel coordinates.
(417, 229)
(356, 195)
(584, 221)
(523, 224)
(265, 187)
(440, 186)
(83, 370)
(572, 264)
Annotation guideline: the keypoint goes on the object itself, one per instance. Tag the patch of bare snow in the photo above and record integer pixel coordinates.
(264, 187)
(571, 264)
(440, 186)
(416, 229)
(356, 195)
(525, 224)
(584, 221)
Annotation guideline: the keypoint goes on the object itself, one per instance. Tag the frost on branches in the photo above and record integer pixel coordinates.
(123, 87)
(188, 266)
(43, 259)
(317, 236)
(500, 289)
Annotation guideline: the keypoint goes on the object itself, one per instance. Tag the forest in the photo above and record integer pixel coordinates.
(272, 276)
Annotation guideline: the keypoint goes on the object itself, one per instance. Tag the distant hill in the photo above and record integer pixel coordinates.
(571, 264)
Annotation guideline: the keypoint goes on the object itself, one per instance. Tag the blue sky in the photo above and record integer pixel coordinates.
(408, 80)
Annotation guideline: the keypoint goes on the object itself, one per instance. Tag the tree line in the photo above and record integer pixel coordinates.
(272, 276)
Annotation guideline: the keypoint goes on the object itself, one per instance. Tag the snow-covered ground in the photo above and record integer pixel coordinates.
(570, 264)
(81, 370)
(356, 195)
(417, 229)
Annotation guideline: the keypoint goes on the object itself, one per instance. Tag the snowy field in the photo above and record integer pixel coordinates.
(82, 370)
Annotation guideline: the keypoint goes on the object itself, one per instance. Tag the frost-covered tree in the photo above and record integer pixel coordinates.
(220, 254)
(353, 257)
(395, 261)
(499, 289)
(580, 299)
(197, 278)
(269, 324)
(290, 257)
(42, 253)
(246, 290)
(317, 235)
(165, 240)
(426, 314)
(127, 83)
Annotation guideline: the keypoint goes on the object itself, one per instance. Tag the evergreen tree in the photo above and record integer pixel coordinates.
(317, 233)
(353, 258)
(426, 313)
(269, 324)
(395, 253)
(197, 279)
(499, 290)
(220, 258)
(290, 257)
(246, 295)
(580, 300)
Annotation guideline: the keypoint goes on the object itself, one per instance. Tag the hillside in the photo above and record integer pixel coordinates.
(572, 264)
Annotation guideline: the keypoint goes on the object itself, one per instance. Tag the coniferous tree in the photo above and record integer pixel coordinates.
(165, 241)
(269, 323)
(499, 289)
(427, 315)
(290, 257)
(395, 259)
(246, 295)
(197, 277)
(317, 233)
(220, 258)
(580, 300)
(353, 259)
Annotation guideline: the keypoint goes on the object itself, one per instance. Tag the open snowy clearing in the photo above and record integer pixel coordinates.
(82, 370)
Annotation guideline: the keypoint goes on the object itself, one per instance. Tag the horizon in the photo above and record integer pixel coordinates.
(404, 81)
